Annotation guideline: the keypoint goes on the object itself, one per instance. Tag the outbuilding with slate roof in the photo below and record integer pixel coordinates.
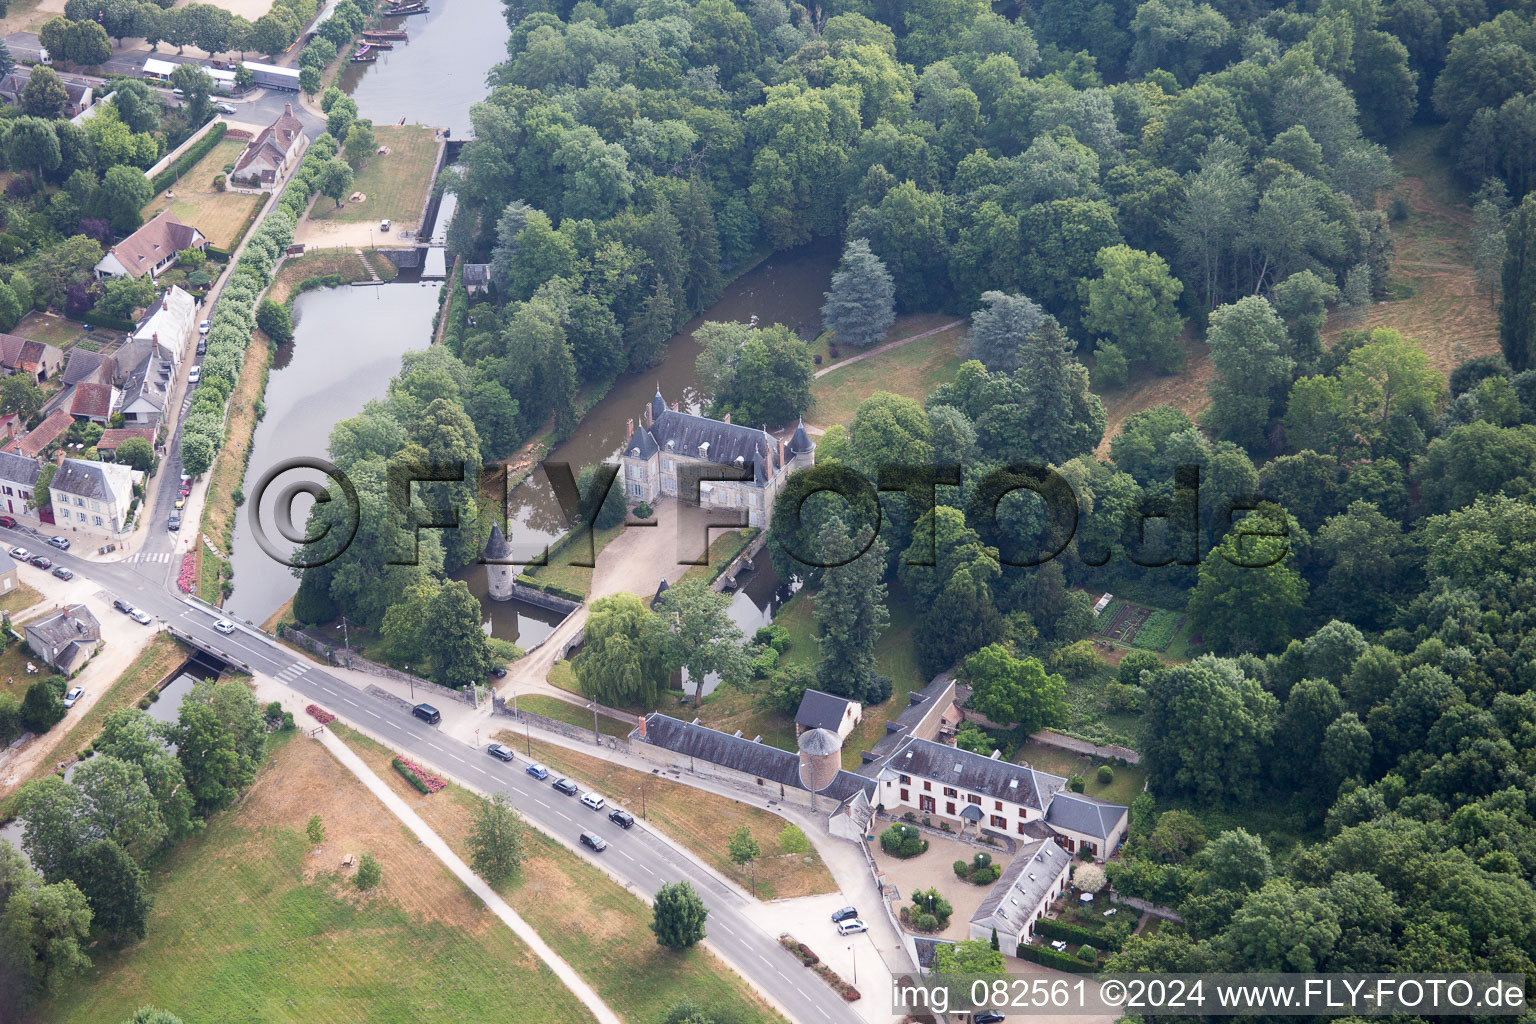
(1037, 875)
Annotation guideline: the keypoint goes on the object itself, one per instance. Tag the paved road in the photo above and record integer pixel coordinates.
(639, 857)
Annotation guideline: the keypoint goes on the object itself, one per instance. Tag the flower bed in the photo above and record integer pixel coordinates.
(839, 986)
(188, 575)
(801, 950)
(418, 776)
(320, 715)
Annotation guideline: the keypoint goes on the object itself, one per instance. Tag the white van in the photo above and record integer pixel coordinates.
(592, 800)
(43, 58)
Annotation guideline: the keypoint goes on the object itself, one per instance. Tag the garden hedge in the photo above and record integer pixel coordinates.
(1108, 938)
(1050, 958)
(184, 163)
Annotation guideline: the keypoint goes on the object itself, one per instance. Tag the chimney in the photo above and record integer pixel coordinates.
(674, 407)
(288, 109)
(727, 417)
(629, 429)
(640, 724)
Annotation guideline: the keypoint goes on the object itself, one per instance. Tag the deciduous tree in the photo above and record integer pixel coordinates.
(678, 916)
(496, 840)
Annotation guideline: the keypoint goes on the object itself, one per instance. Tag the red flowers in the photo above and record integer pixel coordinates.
(188, 575)
(419, 776)
(320, 714)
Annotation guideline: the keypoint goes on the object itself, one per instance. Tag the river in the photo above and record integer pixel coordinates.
(439, 74)
(347, 344)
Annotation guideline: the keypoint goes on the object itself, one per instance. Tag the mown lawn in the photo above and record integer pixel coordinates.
(49, 328)
(703, 822)
(19, 599)
(912, 370)
(222, 216)
(572, 714)
(315, 263)
(600, 928)
(396, 184)
(1128, 782)
(252, 923)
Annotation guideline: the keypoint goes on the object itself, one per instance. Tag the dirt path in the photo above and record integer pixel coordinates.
(887, 347)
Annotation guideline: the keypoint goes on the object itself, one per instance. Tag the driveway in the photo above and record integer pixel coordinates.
(809, 919)
(934, 870)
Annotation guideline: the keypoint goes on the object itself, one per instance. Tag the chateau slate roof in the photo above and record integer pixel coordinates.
(740, 754)
(90, 479)
(496, 547)
(642, 445)
(992, 777)
(18, 469)
(800, 443)
(1012, 900)
(1084, 814)
(685, 432)
(820, 710)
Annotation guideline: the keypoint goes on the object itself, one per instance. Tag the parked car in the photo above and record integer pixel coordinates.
(224, 626)
(204, 327)
(593, 801)
(498, 673)
(538, 771)
(1059, 946)
(41, 561)
(595, 841)
(846, 914)
(8, 522)
(43, 58)
(852, 926)
(566, 786)
(20, 554)
(499, 752)
(140, 616)
(181, 503)
(384, 225)
(174, 523)
(62, 543)
(227, 109)
(427, 713)
(623, 819)
(195, 375)
(987, 1017)
(121, 605)
(63, 573)
(73, 695)
(202, 346)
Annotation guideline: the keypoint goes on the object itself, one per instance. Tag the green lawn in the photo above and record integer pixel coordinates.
(575, 578)
(1128, 782)
(912, 370)
(396, 183)
(49, 328)
(600, 928)
(572, 714)
(249, 924)
(222, 216)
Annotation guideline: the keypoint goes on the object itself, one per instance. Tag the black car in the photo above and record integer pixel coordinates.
(63, 573)
(498, 673)
(498, 751)
(623, 819)
(987, 1017)
(427, 713)
(566, 786)
(592, 839)
(843, 915)
(121, 605)
(41, 561)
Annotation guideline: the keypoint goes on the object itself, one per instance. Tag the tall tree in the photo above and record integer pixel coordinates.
(1135, 304)
(1249, 352)
(998, 331)
(1249, 597)
(861, 305)
(44, 94)
(678, 916)
(851, 615)
(1015, 692)
(701, 246)
(457, 643)
(113, 885)
(43, 934)
(700, 636)
(1517, 305)
(496, 840)
(1065, 418)
(621, 661)
(1208, 727)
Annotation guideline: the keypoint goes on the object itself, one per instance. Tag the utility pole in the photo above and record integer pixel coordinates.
(641, 788)
(597, 737)
(855, 958)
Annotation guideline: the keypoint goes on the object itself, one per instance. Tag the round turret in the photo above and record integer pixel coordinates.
(821, 758)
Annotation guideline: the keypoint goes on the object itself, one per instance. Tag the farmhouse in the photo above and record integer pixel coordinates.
(36, 359)
(18, 477)
(824, 711)
(675, 452)
(151, 249)
(271, 156)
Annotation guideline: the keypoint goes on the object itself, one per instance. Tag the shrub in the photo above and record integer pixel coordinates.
(1105, 938)
(1050, 958)
(926, 923)
(1087, 954)
(982, 859)
(1077, 784)
(962, 869)
(1106, 775)
(1136, 662)
(801, 951)
(368, 873)
(219, 184)
(902, 841)
(986, 875)
(315, 830)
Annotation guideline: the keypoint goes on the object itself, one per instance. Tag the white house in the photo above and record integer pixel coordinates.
(1037, 875)
(151, 249)
(92, 496)
(65, 639)
(170, 322)
(658, 457)
(18, 476)
(271, 156)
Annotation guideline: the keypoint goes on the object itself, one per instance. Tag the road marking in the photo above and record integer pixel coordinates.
(345, 701)
(781, 974)
(434, 746)
(541, 803)
(370, 714)
(459, 759)
(763, 959)
(823, 1012)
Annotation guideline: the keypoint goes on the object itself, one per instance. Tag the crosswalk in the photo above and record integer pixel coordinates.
(292, 672)
(150, 556)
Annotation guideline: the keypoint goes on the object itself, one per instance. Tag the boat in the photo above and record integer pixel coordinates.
(380, 44)
(365, 54)
(412, 7)
(374, 35)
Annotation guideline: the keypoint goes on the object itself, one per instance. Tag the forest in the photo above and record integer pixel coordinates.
(1343, 779)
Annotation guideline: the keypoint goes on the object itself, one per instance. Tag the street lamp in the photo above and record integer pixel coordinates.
(597, 737)
(855, 958)
(641, 789)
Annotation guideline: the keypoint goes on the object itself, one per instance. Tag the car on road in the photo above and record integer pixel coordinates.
(174, 523)
(202, 346)
(73, 695)
(20, 554)
(140, 616)
(427, 713)
(205, 327)
(566, 786)
(592, 801)
(179, 93)
(538, 771)
(43, 58)
(9, 522)
(595, 841)
(852, 926)
(181, 503)
(500, 752)
(122, 606)
(62, 543)
(224, 626)
(63, 573)
(846, 914)
(196, 374)
(987, 1017)
(498, 673)
(41, 561)
(623, 819)
(384, 225)
(227, 109)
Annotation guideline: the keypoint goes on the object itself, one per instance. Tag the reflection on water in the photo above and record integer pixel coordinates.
(762, 593)
(522, 624)
(786, 288)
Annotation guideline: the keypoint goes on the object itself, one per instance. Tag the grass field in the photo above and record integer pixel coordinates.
(703, 822)
(732, 708)
(252, 923)
(913, 370)
(222, 216)
(561, 573)
(1128, 781)
(19, 599)
(325, 263)
(49, 328)
(396, 184)
(601, 929)
(572, 714)
(153, 664)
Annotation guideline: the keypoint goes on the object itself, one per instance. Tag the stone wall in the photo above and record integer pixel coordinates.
(1060, 741)
(539, 599)
(566, 729)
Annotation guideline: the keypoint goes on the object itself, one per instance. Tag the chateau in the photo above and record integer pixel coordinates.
(655, 457)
